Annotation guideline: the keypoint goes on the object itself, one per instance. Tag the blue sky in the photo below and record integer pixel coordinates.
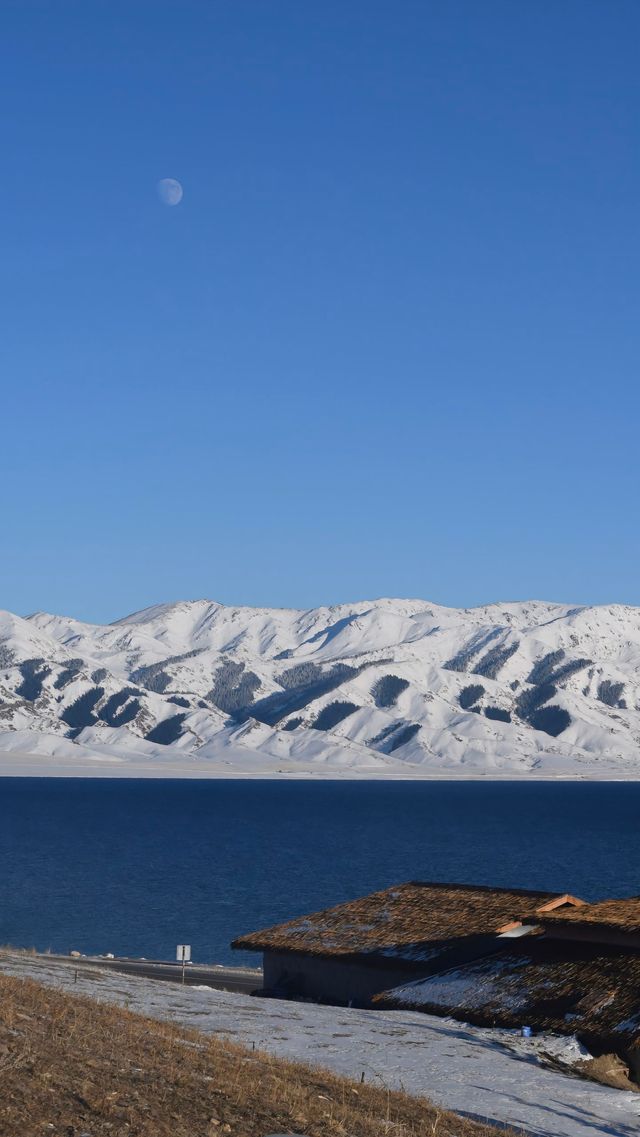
(387, 344)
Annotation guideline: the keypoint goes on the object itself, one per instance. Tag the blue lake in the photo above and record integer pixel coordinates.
(135, 867)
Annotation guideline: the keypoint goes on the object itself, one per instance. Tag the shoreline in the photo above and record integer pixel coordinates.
(38, 766)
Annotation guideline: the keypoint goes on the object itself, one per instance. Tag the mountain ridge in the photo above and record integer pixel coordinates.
(397, 687)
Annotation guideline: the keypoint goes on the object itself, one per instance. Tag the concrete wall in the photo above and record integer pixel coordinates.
(329, 980)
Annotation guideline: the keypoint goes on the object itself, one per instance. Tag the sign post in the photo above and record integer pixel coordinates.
(183, 956)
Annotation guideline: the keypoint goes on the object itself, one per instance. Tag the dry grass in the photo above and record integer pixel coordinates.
(72, 1067)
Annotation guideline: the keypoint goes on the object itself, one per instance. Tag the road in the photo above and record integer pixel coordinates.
(222, 978)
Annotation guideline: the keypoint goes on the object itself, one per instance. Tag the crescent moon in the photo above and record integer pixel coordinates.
(170, 191)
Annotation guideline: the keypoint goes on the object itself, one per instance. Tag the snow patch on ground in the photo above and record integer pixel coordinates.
(488, 1075)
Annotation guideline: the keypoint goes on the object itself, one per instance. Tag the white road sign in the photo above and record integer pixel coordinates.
(183, 953)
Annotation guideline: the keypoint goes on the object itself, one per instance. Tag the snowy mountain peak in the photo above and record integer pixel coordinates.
(386, 686)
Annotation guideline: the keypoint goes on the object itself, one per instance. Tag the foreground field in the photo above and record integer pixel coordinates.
(73, 1067)
(490, 1076)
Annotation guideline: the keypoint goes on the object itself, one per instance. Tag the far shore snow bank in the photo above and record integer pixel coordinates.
(22, 764)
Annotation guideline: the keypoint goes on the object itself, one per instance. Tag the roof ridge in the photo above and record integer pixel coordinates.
(476, 887)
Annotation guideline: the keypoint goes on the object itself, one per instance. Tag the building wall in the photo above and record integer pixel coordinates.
(329, 980)
(594, 934)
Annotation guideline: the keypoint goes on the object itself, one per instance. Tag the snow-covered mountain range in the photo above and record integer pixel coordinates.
(381, 688)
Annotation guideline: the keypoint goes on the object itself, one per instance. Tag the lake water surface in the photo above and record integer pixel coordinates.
(135, 867)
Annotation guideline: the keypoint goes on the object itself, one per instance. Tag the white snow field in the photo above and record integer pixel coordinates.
(489, 1075)
(382, 688)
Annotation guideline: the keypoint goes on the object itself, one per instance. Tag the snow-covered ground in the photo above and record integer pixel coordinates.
(383, 688)
(489, 1075)
(102, 762)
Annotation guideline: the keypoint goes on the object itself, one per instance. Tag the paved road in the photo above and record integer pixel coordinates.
(222, 978)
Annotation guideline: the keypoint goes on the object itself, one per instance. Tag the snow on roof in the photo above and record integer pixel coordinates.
(412, 922)
(551, 985)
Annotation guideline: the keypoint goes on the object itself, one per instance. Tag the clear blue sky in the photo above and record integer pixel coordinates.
(387, 344)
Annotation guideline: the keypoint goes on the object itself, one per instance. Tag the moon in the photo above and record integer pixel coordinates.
(170, 191)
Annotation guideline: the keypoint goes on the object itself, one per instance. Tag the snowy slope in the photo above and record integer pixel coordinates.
(384, 687)
(489, 1075)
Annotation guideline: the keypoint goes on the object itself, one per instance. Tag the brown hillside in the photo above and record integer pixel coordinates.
(70, 1067)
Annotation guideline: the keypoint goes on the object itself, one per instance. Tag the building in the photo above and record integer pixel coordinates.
(613, 922)
(579, 975)
(350, 953)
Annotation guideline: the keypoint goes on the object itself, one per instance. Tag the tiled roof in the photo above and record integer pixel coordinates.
(619, 914)
(552, 985)
(412, 922)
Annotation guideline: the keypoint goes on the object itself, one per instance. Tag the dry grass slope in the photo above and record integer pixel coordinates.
(70, 1067)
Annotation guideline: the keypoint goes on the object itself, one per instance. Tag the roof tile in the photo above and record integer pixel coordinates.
(408, 922)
